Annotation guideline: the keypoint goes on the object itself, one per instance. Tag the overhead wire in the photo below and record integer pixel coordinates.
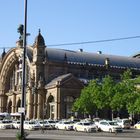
(89, 42)
(96, 41)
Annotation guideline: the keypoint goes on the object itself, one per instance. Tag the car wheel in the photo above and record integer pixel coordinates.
(85, 130)
(75, 129)
(110, 130)
(99, 129)
(65, 128)
(96, 129)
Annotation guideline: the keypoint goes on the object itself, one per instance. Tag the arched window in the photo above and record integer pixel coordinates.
(18, 105)
(68, 99)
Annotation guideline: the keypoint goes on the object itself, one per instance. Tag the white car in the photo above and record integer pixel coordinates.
(51, 123)
(66, 125)
(6, 124)
(31, 125)
(109, 126)
(44, 124)
(16, 124)
(85, 126)
(124, 123)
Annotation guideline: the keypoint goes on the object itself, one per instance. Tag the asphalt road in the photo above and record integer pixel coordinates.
(71, 135)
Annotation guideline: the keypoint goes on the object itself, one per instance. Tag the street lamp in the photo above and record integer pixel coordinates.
(23, 73)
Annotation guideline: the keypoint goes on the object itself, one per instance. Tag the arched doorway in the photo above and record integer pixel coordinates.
(50, 107)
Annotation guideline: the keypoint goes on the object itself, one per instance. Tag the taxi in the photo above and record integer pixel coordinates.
(137, 125)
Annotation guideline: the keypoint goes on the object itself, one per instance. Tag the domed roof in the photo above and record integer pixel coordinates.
(39, 40)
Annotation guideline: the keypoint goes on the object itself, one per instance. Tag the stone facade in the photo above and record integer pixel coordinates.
(54, 78)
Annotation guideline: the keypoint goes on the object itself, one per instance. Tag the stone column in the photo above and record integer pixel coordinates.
(40, 106)
(16, 68)
(35, 106)
(13, 103)
(30, 105)
(58, 110)
(3, 104)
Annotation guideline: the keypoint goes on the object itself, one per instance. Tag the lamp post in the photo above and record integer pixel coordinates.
(23, 73)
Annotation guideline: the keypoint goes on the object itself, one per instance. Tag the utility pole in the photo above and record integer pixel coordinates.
(23, 73)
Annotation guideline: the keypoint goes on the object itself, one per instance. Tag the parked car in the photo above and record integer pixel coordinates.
(65, 125)
(51, 123)
(137, 125)
(96, 121)
(31, 125)
(85, 126)
(44, 124)
(124, 123)
(16, 124)
(6, 124)
(109, 126)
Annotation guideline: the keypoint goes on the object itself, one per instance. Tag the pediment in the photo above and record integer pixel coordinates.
(71, 82)
(65, 81)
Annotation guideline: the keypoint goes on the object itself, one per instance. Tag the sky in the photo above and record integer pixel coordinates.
(74, 21)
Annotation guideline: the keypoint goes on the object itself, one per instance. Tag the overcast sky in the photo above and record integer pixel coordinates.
(74, 21)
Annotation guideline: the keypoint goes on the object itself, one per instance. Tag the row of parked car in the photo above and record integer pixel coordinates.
(28, 124)
(81, 125)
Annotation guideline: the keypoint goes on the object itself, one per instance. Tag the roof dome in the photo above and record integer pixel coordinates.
(39, 40)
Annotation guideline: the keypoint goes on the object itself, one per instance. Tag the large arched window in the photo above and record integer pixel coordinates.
(51, 107)
(19, 74)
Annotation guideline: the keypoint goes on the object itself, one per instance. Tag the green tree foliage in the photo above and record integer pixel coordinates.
(129, 89)
(109, 94)
(137, 105)
(117, 102)
(85, 103)
(108, 91)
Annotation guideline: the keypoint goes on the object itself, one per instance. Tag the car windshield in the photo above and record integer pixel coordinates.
(113, 123)
(66, 122)
(32, 122)
(6, 121)
(126, 121)
(51, 121)
(92, 122)
(42, 122)
(86, 123)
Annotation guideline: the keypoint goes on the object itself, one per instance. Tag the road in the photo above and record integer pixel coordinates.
(71, 135)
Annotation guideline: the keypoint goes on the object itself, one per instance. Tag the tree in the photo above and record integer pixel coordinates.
(126, 94)
(137, 101)
(85, 103)
(109, 94)
(137, 105)
(108, 90)
(129, 89)
(95, 96)
(118, 102)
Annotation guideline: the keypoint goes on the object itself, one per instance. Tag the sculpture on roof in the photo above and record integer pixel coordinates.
(20, 30)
